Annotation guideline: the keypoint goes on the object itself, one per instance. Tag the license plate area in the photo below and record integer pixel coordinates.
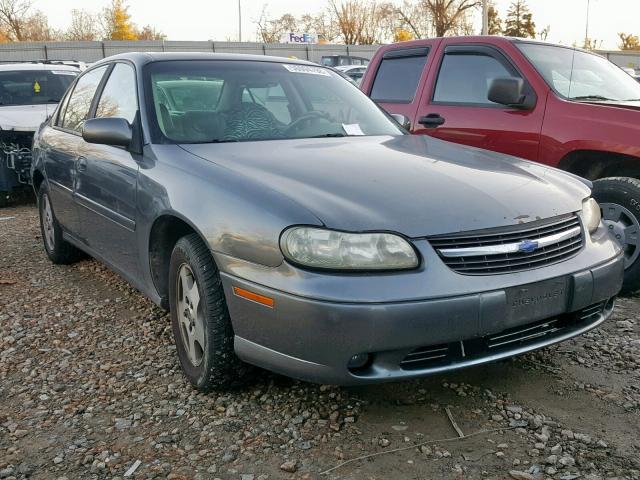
(537, 301)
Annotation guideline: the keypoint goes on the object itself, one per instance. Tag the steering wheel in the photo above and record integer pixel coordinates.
(310, 115)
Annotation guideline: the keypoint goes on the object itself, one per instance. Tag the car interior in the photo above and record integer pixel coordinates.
(231, 107)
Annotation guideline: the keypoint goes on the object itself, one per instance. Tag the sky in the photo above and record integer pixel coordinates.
(218, 19)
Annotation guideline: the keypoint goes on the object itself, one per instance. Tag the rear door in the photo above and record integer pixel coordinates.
(399, 79)
(107, 178)
(63, 143)
(455, 106)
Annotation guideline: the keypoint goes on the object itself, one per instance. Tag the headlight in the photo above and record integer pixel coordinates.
(591, 215)
(320, 248)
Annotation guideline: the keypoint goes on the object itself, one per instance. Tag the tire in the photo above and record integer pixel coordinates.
(58, 250)
(619, 198)
(200, 319)
(4, 199)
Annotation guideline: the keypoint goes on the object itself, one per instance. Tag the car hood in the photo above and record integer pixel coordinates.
(24, 117)
(415, 185)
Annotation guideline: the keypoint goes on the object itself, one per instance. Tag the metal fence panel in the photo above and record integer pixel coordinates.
(93, 51)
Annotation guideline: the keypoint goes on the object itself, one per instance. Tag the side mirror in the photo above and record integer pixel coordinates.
(402, 120)
(508, 91)
(108, 131)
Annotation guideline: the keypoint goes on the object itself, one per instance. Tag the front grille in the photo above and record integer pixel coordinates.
(509, 339)
(457, 251)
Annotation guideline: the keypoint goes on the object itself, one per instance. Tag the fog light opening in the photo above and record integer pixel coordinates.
(359, 361)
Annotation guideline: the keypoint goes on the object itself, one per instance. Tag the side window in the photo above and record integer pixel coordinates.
(119, 97)
(79, 103)
(397, 78)
(465, 78)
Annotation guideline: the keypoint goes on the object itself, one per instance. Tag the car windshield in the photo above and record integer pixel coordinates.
(228, 101)
(33, 87)
(578, 75)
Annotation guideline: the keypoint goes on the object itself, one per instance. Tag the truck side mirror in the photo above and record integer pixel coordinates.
(508, 91)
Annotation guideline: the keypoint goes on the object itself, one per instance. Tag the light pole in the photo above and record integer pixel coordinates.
(586, 30)
(485, 18)
(239, 21)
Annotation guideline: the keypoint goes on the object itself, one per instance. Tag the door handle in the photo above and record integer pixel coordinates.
(81, 164)
(431, 120)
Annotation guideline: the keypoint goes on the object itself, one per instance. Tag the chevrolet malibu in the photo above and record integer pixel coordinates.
(287, 222)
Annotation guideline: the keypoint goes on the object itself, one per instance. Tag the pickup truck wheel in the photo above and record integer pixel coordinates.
(200, 320)
(619, 199)
(58, 250)
(4, 199)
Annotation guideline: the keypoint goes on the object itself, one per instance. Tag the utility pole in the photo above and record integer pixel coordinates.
(239, 21)
(586, 30)
(485, 18)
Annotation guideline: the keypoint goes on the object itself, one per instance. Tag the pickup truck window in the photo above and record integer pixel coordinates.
(579, 75)
(465, 78)
(397, 78)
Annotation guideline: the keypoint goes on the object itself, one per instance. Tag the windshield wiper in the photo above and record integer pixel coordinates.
(329, 135)
(592, 97)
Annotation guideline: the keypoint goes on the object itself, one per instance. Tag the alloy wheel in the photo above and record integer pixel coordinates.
(47, 221)
(625, 228)
(190, 315)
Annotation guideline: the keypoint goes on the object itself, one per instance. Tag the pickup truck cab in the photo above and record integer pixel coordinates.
(564, 107)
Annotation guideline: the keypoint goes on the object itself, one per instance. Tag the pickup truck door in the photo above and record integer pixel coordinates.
(454, 105)
(400, 78)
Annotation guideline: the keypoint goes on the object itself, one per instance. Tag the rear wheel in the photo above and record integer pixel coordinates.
(619, 199)
(200, 320)
(58, 250)
(4, 199)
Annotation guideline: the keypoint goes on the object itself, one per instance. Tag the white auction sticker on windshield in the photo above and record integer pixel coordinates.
(352, 129)
(310, 69)
(64, 72)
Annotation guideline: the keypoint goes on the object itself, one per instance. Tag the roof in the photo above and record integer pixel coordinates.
(482, 39)
(4, 67)
(142, 58)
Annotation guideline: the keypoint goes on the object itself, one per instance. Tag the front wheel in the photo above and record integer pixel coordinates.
(200, 320)
(619, 199)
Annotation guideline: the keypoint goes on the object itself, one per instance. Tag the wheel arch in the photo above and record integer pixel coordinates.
(166, 230)
(36, 179)
(596, 164)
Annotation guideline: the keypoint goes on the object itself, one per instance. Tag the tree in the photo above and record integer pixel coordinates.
(269, 31)
(352, 18)
(446, 15)
(117, 23)
(495, 22)
(519, 22)
(84, 26)
(150, 33)
(402, 35)
(35, 28)
(544, 33)
(13, 15)
(629, 41)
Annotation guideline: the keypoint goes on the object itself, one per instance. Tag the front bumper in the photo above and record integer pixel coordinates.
(314, 339)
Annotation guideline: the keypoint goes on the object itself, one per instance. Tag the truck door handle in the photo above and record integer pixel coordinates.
(431, 120)
(81, 164)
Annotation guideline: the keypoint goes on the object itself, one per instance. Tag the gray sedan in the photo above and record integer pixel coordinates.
(287, 222)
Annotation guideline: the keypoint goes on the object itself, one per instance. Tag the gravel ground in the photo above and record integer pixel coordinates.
(90, 387)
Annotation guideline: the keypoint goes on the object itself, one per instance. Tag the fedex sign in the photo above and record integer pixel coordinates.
(292, 37)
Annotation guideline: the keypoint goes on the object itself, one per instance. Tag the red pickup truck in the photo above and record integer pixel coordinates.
(564, 107)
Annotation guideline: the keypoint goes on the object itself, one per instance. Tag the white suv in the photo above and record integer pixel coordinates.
(29, 93)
